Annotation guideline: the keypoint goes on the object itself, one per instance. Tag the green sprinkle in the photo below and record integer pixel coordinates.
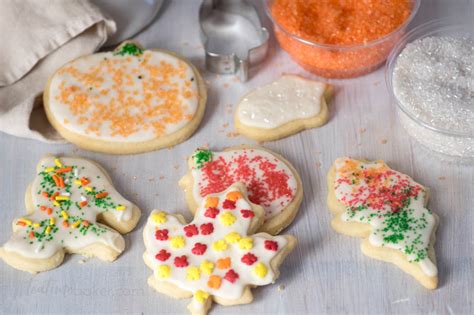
(129, 49)
(202, 156)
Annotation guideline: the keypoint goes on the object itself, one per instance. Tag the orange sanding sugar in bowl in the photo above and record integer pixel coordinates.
(340, 38)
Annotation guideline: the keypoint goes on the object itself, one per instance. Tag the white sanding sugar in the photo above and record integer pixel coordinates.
(434, 80)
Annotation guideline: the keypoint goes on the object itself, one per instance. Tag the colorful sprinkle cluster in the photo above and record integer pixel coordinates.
(268, 183)
(214, 254)
(68, 205)
(390, 201)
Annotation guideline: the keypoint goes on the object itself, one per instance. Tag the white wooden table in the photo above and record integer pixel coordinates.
(327, 273)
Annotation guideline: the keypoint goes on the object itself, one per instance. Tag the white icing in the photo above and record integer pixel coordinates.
(246, 274)
(255, 157)
(69, 237)
(286, 99)
(355, 192)
(135, 81)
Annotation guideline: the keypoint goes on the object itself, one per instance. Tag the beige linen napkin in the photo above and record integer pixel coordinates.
(38, 37)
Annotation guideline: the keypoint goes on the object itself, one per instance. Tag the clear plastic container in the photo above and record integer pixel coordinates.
(338, 61)
(455, 144)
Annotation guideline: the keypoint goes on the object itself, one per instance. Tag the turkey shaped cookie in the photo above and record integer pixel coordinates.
(130, 100)
(271, 181)
(216, 257)
(388, 210)
(65, 203)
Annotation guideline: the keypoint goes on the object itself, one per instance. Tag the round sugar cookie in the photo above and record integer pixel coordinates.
(126, 101)
(272, 182)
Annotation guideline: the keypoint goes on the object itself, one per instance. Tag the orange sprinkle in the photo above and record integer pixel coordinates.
(61, 182)
(56, 179)
(42, 208)
(32, 234)
(64, 170)
(53, 196)
(214, 282)
(49, 211)
(223, 263)
(85, 223)
(65, 224)
(45, 194)
(20, 223)
(102, 195)
(83, 203)
(85, 181)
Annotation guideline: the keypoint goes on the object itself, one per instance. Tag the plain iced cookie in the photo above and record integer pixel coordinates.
(282, 108)
(126, 101)
(216, 257)
(388, 210)
(72, 207)
(272, 182)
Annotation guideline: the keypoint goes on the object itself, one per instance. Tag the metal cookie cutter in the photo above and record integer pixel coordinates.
(233, 36)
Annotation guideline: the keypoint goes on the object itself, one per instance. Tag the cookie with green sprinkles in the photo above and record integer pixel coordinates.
(388, 210)
(72, 207)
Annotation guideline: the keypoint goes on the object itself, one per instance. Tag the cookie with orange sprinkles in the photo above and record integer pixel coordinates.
(126, 101)
(72, 207)
(216, 257)
(388, 210)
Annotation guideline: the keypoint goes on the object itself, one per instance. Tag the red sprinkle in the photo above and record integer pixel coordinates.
(247, 214)
(191, 230)
(199, 249)
(32, 234)
(231, 276)
(211, 213)
(161, 235)
(229, 204)
(249, 259)
(181, 261)
(271, 245)
(207, 228)
(163, 255)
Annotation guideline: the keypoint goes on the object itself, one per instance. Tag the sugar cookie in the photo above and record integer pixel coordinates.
(65, 203)
(130, 100)
(271, 181)
(388, 210)
(217, 257)
(282, 108)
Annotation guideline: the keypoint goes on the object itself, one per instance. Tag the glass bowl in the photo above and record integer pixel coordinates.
(457, 144)
(338, 61)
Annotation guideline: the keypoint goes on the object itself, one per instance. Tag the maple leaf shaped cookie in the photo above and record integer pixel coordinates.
(216, 257)
(66, 204)
(387, 209)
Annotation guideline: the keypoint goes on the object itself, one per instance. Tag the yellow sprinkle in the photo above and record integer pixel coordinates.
(193, 273)
(120, 208)
(232, 237)
(89, 189)
(206, 267)
(219, 246)
(177, 242)
(58, 163)
(78, 182)
(201, 296)
(52, 221)
(64, 215)
(227, 218)
(49, 169)
(159, 217)
(163, 271)
(55, 203)
(27, 222)
(36, 225)
(246, 243)
(61, 198)
(260, 270)
(48, 230)
(212, 202)
(76, 224)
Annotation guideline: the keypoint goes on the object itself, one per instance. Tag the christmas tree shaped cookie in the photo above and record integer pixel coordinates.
(217, 257)
(388, 210)
(70, 205)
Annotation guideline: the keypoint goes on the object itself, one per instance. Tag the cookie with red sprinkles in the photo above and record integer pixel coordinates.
(388, 209)
(272, 182)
